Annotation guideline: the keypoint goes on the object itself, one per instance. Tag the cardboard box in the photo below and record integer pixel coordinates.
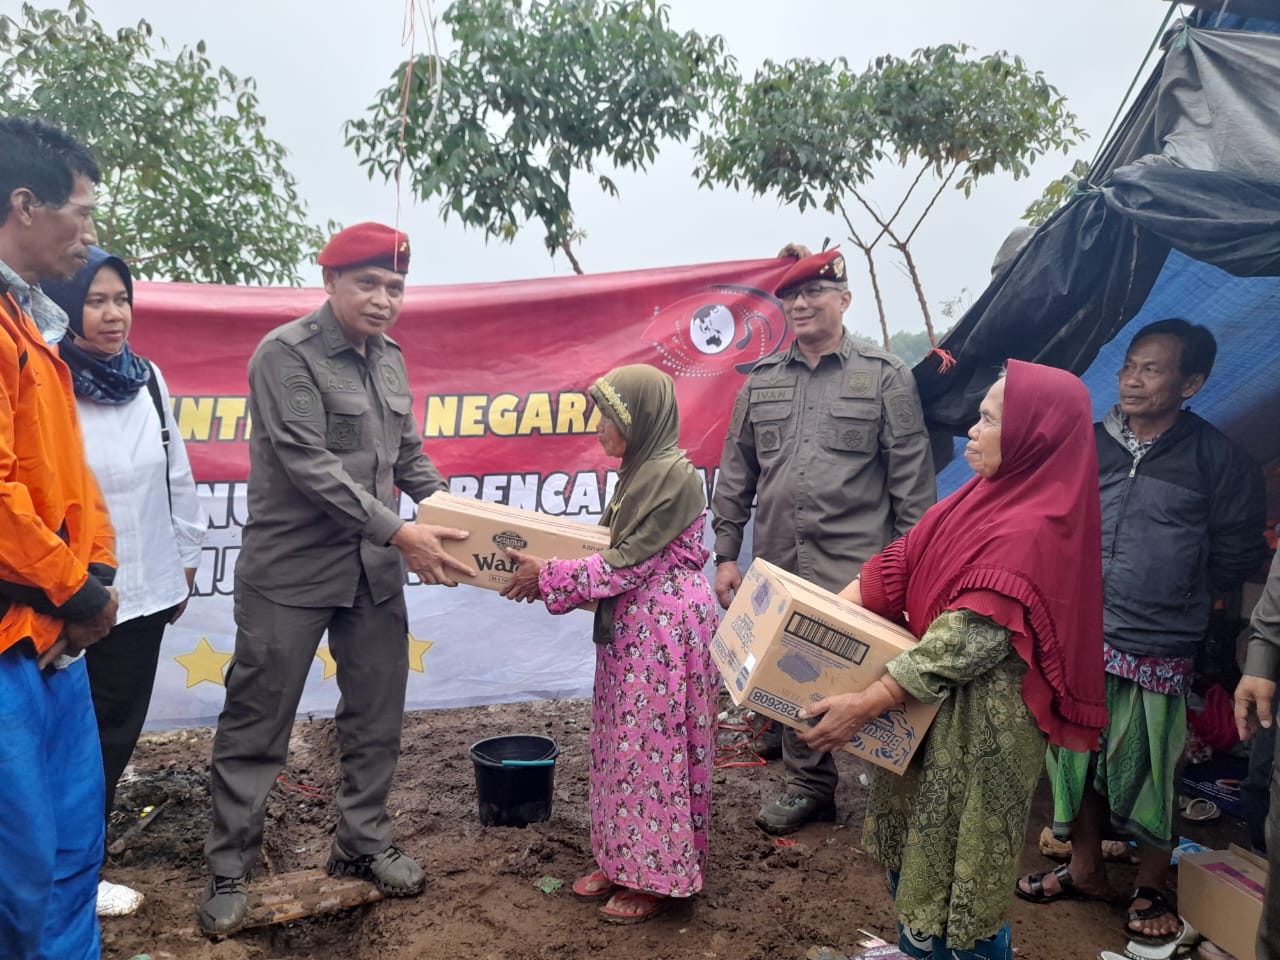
(494, 526)
(785, 643)
(1220, 894)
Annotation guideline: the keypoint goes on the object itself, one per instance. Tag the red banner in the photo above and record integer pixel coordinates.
(499, 374)
(499, 371)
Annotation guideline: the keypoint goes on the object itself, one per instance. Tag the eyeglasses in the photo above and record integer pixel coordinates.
(810, 291)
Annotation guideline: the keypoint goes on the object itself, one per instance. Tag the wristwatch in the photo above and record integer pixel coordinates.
(721, 558)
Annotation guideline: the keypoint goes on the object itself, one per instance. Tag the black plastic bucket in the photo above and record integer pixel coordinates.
(515, 776)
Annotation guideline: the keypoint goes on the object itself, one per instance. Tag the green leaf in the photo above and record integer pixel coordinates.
(192, 186)
(538, 93)
(548, 885)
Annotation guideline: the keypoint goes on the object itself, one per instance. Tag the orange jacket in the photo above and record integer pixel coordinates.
(54, 528)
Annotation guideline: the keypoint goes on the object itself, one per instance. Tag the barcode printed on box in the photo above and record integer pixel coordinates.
(829, 639)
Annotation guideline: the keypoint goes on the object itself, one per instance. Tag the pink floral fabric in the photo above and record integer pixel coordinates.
(653, 713)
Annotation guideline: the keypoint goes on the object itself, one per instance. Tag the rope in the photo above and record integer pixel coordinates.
(315, 793)
(1155, 42)
(409, 36)
(740, 753)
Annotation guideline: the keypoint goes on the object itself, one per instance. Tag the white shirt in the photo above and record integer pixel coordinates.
(123, 446)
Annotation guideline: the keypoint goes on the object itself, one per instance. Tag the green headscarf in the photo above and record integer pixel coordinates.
(659, 493)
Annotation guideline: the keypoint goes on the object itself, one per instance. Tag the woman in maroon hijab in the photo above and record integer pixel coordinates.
(1002, 584)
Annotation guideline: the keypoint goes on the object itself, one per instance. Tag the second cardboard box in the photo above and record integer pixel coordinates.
(784, 644)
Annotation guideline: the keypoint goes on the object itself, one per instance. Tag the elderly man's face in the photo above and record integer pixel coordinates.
(1151, 384)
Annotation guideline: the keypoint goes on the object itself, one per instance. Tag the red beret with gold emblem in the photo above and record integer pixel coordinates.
(827, 265)
(367, 245)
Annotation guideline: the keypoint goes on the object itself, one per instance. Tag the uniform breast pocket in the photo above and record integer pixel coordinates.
(853, 426)
(401, 404)
(770, 422)
(346, 415)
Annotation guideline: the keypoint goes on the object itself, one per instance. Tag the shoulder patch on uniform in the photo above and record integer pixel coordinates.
(301, 398)
(904, 412)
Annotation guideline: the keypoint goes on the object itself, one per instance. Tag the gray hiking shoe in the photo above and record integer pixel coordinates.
(390, 871)
(792, 811)
(225, 904)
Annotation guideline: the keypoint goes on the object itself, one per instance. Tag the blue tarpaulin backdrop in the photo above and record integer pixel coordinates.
(1242, 397)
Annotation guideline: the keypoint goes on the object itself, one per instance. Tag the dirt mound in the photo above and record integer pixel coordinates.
(765, 899)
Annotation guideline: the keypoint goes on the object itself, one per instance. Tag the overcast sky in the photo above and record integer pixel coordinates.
(321, 62)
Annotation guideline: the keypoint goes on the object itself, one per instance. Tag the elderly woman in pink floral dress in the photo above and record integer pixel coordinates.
(654, 703)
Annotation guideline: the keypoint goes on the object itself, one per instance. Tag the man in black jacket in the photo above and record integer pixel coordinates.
(1183, 512)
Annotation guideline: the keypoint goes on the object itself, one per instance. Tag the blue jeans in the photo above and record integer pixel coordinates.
(51, 834)
(920, 946)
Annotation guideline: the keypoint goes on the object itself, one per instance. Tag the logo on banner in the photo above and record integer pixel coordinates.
(723, 329)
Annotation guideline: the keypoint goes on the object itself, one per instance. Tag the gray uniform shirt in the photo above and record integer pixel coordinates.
(333, 436)
(1263, 656)
(836, 456)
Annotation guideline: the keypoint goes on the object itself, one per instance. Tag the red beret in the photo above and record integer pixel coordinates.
(827, 265)
(367, 244)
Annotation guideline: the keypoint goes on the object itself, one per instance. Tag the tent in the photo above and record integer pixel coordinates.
(1180, 216)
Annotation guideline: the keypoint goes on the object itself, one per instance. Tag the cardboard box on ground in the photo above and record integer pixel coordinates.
(785, 643)
(1220, 894)
(494, 526)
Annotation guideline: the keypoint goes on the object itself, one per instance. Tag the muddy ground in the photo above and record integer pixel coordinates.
(762, 901)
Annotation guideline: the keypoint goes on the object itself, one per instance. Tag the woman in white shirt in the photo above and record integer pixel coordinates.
(136, 452)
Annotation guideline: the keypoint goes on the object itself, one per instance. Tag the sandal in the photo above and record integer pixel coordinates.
(1113, 851)
(649, 904)
(1160, 906)
(1200, 809)
(1035, 892)
(594, 886)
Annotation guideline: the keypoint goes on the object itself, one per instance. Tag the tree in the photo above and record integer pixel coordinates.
(192, 188)
(535, 93)
(1056, 194)
(910, 346)
(814, 133)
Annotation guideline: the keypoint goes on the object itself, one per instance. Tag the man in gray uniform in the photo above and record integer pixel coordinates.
(325, 549)
(829, 439)
(1255, 704)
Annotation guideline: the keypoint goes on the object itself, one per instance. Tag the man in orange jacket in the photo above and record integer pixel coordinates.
(56, 566)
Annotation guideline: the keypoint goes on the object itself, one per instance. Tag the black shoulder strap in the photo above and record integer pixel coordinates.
(153, 388)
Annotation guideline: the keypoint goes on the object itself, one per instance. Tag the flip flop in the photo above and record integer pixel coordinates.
(594, 886)
(651, 906)
(1200, 810)
(1069, 890)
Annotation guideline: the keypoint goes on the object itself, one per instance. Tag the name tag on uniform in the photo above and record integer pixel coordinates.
(772, 394)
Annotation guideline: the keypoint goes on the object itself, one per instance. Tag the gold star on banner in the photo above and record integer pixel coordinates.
(330, 665)
(417, 650)
(203, 664)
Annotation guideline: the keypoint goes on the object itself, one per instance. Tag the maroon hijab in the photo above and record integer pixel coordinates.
(1025, 549)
